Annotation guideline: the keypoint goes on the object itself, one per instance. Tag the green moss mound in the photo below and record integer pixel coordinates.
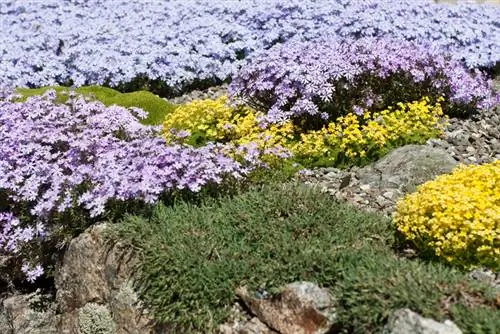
(194, 256)
(156, 107)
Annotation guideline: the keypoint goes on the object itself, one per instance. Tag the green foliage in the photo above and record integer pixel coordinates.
(95, 319)
(375, 283)
(156, 107)
(193, 257)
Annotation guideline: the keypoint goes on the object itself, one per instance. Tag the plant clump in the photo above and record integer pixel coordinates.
(356, 140)
(155, 107)
(330, 77)
(164, 46)
(80, 158)
(194, 257)
(456, 217)
(95, 319)
(350, 140)
(202, 121)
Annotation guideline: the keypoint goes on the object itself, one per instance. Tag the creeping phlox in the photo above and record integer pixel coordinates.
(180, 42)
(330, 77)
(456, 216)
(353, 138)
(81, 155)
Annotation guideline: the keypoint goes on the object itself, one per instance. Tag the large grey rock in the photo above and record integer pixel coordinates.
(405, 321)
(95, 277)
(301, 308)
(406, 167)
(18, 315)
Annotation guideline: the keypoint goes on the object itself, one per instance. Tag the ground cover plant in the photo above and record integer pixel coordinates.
(89, 138)
(58, 160)
(155, 107)
(267, 237)
(329, 78)
(349, 140)
(456, 217)
(164, 46)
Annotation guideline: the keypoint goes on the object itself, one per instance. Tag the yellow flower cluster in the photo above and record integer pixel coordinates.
(354, 137)
(351, 138)
(202, 121)
(204, 118)
(456, 216)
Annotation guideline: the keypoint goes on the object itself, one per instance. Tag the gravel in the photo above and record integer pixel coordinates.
(472, 141)
(210, 93)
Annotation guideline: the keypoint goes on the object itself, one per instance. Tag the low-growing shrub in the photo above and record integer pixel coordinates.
(456, 217)
(156, 107)
(328, 78)
(95, 319)
(80, 158)
(202, 121)
(193, 258)
(178, 42)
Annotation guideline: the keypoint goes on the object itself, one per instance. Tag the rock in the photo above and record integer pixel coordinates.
(5, 325)
(365, 187)
(18, 315)
(405, 321)
(407, 167)
(470, 149)
(345, 181)
(210, 93)
(252, 326)
(95, 277)
(486, 276)
(459, 137)
(301, 308)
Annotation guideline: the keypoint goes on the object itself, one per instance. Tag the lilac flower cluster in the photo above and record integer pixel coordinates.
(181, 41)
(13, 237)
(332, 77)
(54, 157)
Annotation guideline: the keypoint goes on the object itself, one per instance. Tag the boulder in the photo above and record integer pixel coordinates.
(23, 314)
(95, 288)
(405, 321)
(404, 168)
(301, 308)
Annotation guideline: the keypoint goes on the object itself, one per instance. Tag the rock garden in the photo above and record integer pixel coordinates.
(249, 167)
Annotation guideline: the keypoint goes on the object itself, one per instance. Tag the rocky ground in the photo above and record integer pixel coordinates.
(210, 93)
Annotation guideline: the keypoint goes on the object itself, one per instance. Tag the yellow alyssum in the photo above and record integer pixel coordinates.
(456, 216)
(355, 137)
(350, 137)
(208, 120)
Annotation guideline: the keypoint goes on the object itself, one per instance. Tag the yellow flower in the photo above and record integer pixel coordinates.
(457, 215)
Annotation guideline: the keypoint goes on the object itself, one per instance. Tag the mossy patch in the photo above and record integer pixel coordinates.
(156, 107)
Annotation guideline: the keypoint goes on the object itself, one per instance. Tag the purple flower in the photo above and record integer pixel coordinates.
(82, 154)
(181, 41)
(32, 273)
(343, 75)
